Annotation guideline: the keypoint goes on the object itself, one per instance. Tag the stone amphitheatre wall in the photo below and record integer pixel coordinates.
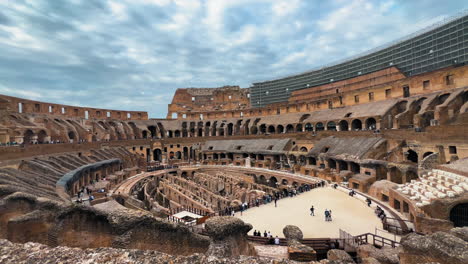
(28, 219)
(20, 105)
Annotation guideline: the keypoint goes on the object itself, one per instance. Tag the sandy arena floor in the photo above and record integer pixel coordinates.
(348, 213)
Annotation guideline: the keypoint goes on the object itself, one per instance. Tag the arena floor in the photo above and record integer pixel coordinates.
(348, 213)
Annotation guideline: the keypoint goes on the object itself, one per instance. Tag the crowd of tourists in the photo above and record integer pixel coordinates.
(268, 198)
(271, 240)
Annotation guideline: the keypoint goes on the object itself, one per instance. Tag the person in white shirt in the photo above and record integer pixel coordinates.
(277, 241)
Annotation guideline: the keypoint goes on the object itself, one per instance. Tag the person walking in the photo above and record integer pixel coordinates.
(312, 211)
(326, 214)
(329, 215)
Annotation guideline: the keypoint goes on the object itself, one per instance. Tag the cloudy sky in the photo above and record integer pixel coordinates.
(133, 54)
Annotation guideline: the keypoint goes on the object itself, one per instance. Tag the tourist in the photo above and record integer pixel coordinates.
(265, 234)
(326, 214)
(233, 213)
(312, 211)
(276, 201)
(329, 215)
(277, 241)
(269, 234)
(369, 202)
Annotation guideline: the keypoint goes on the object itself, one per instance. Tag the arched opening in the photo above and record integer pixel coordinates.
(152, 130)
(355, 168)
(312, 161)
(169, 134)
(331, 126)
(71, 135)
(171, 155)
(289, 128)
(303, 149)
(427, 154)
(215, 156)
(157, 155)
(200, 132)
(356, 124)
(144, 133)
(412, 156)
(260, 157)
(177, 133)
(396, 175)
(284, 182)
(331, 163)
(271, 129)
(343, 124)
(254, 130)
(280, 129)
(230, 129)
(186, 153)
(27, 137)
(459, 215)
(371, 124)
(299, 128)
(273, 182)
(41, 136)
(262, 180)
(178, 155)
(309, 127)
(222, 155)
(342, 165)
(319, 126)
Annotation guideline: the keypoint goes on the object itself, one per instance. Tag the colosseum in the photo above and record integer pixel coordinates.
(378, 142)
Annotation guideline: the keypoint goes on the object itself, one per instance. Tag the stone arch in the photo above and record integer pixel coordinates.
(254, 130)
(262, 179)
(171, 155)
(41, 136)
(280, 129)
(289, 128)
(144, 134)
(355, 167)
(356, 124)
(273, 181)
(412, 156)
(304, 117)
(303, 149)
(271, 129)
(396, 175)
(28, 136)
(170, 134)
(185, 151)
(427, 154)
(230, 129)
(71, 135)
(309, 127)
(459, 215)
(262, 129)
(344, 126)
(319, 126)
(177, 133)
(331, 126)
(178, 155)
(312, 161)
(152, 130)
(299, 128)
(284, 182)
(157, 155)
(371, 123)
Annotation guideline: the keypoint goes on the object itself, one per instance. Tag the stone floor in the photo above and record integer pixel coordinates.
(348, 213)
(275, 252)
